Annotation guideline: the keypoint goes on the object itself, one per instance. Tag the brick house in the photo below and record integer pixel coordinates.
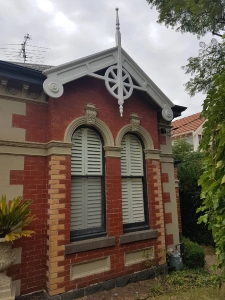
(101, 176)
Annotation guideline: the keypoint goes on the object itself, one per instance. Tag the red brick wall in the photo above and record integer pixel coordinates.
(32, 270)
(70, 105)
(45, 123)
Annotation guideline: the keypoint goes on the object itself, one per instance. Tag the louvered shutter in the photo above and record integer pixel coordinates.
(86, 192)
(86, 153)
(132, 188)
(131, 156)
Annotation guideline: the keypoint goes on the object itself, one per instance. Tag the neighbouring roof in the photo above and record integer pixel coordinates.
(187, 124)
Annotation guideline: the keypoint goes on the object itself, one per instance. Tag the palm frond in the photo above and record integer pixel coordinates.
(15, 215)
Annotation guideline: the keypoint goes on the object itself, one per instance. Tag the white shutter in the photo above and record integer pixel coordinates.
(85, 203)
(126, 200)
(137, 200)
(133, 202)
(86, 153)
(77, 212)
(86, 194)
(93, 205)
(93, 153)
(132, 188)
(77, 151)
(131, 156)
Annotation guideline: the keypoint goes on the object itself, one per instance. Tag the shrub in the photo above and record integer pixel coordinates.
(194, 254)
(189, 171)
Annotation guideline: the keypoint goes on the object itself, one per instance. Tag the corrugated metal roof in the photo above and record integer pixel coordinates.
(187, 124)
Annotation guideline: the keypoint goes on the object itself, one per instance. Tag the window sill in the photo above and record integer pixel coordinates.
(90, 244)
(138, 236)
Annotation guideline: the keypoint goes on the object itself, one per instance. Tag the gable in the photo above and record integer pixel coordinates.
(133, 78)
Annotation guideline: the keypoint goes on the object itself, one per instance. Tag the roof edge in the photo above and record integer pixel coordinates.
(17, 72)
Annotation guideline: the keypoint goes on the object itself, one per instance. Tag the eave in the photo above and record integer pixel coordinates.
(19, 73)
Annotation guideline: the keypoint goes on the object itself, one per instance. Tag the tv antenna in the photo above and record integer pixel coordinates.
(24, 53)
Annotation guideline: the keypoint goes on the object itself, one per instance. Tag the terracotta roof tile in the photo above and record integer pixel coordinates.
(187, 124)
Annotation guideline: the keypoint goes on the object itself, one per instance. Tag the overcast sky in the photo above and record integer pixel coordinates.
(76, 28)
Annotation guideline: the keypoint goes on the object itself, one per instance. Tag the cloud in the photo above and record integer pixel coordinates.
(74, 29)
(61, 21)
(45, 5)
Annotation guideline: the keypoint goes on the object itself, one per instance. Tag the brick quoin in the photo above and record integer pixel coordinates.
(165, 177)
(32, 269)
(178, 210)
(178, 202)
(162, 140)
(35, 122)
(168, 218)
(166, 197)
(169, 239)
(156, 207)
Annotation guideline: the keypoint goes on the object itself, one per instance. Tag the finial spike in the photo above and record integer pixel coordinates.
(117, 20)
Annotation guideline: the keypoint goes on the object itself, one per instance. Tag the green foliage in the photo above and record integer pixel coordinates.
(199, 17)
(213, 178)
(181, 148)
(195, 16)
(14, 215)
(194, 254)
(209, 62)
(189, 171)
(184, 280)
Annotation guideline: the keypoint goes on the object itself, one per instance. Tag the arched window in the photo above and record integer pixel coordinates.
(87, 185)
(134, 194)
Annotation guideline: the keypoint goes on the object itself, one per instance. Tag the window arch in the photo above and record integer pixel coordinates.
(134, 194)
(87, 185)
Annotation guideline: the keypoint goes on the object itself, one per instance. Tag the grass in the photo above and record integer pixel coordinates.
(198, 284)
(207, 293)
(186, 284)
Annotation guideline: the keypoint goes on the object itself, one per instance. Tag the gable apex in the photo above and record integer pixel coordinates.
(89, 65)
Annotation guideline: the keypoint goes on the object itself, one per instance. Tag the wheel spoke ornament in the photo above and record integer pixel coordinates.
(114, 86)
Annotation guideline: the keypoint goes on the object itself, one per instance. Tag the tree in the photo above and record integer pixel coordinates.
(208, 71)
(189, 170)
(197, 17)
(213, 178)
(194, 16)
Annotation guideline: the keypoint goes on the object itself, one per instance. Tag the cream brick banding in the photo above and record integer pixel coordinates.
(55, 194)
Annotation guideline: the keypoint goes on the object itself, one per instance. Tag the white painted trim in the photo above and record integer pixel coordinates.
(58, 76)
